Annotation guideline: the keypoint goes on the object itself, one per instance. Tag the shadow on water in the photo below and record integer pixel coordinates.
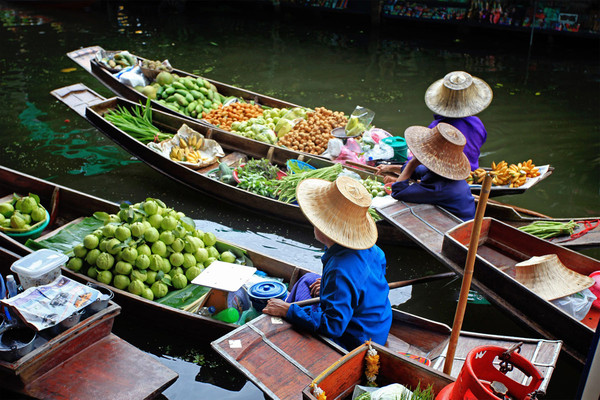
(546, 107)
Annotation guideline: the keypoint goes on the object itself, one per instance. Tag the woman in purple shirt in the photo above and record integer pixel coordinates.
(455, 100)
(436, 173)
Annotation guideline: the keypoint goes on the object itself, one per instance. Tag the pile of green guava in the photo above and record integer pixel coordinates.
(22, 214)
(147, 249)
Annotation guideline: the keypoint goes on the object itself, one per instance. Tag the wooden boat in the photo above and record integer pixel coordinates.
(339, 380)
(93, 106)
(85, 361)
(282, 360)
(86, 58)
(427, 225)
(68, 206)
(416, 335)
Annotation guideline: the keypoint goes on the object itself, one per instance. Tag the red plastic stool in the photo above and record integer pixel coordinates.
(479, 379)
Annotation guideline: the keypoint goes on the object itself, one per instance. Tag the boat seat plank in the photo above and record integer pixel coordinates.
(77, 97)
(83, 56)
(108, 369)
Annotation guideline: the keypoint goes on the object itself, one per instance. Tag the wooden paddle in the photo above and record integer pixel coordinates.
(468, 274)
(392, 285)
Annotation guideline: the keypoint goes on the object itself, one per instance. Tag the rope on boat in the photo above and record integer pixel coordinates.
(280, 351)
(589, 225)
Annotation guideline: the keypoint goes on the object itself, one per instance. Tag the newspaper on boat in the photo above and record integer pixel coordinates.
(45, 306)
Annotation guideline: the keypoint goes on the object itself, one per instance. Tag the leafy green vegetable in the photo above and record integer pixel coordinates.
(137, 124)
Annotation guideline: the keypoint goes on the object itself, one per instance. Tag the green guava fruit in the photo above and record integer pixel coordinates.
(75, 264)
(129, 254)
(105, 261)
(150, 207)
(213, 252)
(166, 237)
(176, 259)
(92, 256)
(6, 209)
(159, 289)
(142, 261)
(201, 255)
(80, 251)
(113, 246)
(91, 241)
(121, 282)
(140, 275)
(168, 223)
(17, 221)
(104, 277)
(209, 238)
(144, 249)
(179, 281)
(209, 261)
(159, 248)
(92, 272)
(148, 294)
(123, 268)
(137, 229)
(39, 214)
(151, 235)
(188, 260)
(156, 262)
(151, 277)
(155, 220)
(122, 233)
(198, 233)
(178, 245)
(192, 272)
(164, 78)
(136, 287)
(227, 256)
(166, 267)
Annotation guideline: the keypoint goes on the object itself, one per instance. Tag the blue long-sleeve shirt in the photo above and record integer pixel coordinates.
(454, 196)
(473, 130)
(354, 303)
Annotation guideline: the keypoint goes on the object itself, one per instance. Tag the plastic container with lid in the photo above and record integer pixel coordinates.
(39, 268)
(261, 292)
(400, 147)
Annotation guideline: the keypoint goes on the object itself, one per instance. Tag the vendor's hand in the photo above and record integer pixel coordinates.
(388, 179)
(315, 288)
(276, 308)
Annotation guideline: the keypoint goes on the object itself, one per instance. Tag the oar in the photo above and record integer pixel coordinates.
(468, 273)
(392, 285)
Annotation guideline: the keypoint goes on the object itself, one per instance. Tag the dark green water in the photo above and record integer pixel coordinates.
(546, 107)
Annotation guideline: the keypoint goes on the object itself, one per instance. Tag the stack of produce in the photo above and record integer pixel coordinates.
(225, 116)
(21, 213)
(313, 134)
(514, 175)
(137, 123)
(119, 60)
(147, 249)
(260, 128)
(548, 229)
(374, 187)
(187, 95)
(258, 176)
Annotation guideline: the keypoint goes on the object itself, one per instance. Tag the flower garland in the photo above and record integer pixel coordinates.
(372, 366)
(318, 392)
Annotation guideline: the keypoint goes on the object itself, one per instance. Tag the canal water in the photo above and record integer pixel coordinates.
(546, 107)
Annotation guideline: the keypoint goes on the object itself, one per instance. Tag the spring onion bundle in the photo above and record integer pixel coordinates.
(286, 187)
(137, 124)
(548, 229)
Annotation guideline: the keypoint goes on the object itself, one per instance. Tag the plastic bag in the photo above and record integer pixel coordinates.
(389, 392)
(132, 76)
(577, 305)
(334, 147)
(377, 134)
(359, 121)
(380, 151)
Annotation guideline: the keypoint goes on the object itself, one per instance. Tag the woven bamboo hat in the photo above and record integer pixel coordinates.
(440, 149)
(458, 95)
(549, 278)
(340, 210)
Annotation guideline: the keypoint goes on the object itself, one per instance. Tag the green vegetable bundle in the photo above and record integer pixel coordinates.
(548, 229)
(137, 123)
(286, 187)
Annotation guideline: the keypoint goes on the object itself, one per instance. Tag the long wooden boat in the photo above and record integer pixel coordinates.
(86, 361)
(437, 231)
(282, 360)
(93, 106)
(86, 59)
(68, 206)
(339, 380)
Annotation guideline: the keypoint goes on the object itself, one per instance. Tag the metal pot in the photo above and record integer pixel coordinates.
(15, 342)
(101, 302)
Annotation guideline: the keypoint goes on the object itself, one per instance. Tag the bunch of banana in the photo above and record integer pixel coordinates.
(513, 175)
(187, 150)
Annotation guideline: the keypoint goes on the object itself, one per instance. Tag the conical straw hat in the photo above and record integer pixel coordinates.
(458, 95)
(547, 277)
(440, 149)
(340, 210)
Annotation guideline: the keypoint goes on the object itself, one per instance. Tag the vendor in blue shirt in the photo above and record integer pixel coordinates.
(436, 174)
(354, 305)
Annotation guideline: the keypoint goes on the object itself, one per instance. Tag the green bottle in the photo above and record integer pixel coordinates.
(229, 315)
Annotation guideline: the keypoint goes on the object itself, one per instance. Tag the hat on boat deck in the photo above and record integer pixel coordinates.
(547, 277)
(458, 95)
(340, 210)
(440, 149)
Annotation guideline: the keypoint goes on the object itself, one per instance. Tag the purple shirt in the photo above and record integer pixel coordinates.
(474, 132)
